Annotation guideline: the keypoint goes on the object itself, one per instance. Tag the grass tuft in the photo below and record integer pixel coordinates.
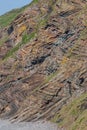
(25, 39)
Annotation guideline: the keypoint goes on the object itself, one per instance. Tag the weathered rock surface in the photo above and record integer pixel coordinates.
(44, 74)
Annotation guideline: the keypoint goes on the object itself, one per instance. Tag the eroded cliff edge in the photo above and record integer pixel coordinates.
(43, 59)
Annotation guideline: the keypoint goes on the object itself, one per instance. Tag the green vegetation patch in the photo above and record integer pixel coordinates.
(34, 1)
(7, 18)
(25, 39)
(74, 115)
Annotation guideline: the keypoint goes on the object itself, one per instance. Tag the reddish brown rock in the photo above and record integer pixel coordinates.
(43, 74)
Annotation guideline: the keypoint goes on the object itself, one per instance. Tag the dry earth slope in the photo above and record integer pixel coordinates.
(43, 63)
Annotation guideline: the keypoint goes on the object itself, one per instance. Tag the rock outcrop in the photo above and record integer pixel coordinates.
(43, 61)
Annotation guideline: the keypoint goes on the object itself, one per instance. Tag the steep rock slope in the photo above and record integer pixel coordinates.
(43, 59)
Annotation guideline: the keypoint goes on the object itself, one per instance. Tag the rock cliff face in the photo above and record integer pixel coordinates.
(43, 59)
